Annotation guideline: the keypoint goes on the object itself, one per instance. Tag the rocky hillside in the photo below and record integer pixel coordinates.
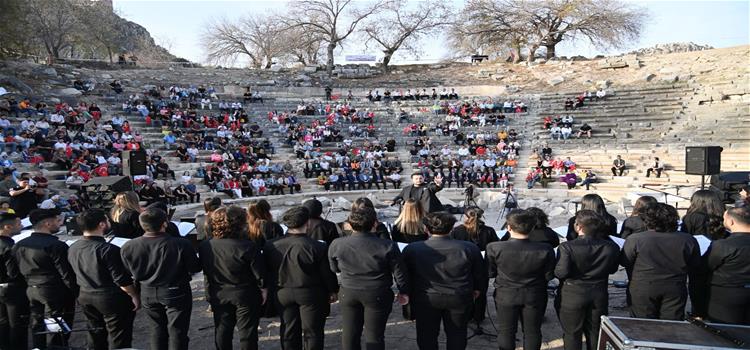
(138, 40)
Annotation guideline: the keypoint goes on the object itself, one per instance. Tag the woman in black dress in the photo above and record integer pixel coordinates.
(474, 230)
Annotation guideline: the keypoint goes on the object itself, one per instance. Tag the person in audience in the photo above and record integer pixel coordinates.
(656, 166)
(52, 288)
(475, 231)
(163, 266)
(555, 132)
(583, 268)
(301, 282)
(521, 270)
(124, 215)
(367, 266)
(408, 226)
(727, 261)
(634, 223)
(14, 304)
(23, 198)
(570, 179)
(565, 132)
(600, 94)
(588, 178)
(107, 294)
(618, 166)
(594, 203)
(659, 261)
(446, 276)
(234, 294)
(585, 129)
(744, 197)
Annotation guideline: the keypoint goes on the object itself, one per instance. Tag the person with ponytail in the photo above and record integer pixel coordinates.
(474, 230)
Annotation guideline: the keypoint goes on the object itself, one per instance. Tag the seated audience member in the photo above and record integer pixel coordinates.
(585, 129)
(618, 166)
(555, 132)
(600, 94)
(570, 179)
(588, 179)
(656, 166)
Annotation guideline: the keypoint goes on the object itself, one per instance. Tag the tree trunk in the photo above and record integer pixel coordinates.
(109, 51)
(550, 50)
(329, 64)
(516, 53)
(387, 59)
(532, 54)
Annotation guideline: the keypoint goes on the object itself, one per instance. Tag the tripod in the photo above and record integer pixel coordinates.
(505, 205)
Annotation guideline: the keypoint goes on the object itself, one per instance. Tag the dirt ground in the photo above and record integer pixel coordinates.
(400, 334)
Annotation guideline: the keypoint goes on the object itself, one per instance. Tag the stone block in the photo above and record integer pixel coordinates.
(555, 81)
(69, 92)
(269, 82)
(310, 69)
(50, 71)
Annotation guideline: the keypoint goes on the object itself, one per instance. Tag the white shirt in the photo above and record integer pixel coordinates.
(258, 183)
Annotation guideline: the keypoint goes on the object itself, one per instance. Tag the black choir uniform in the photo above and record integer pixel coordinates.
(444, 274)
(381, 230)
(322, 230)
(610, 225)
(485, 236)
(52, 289)
(14, 305)
(631, 225)
(424, 194)
(583, 268)
(100, 274)
(659, 263)
(235, 273)
(367, 266)
(301, 280)
(521, 269)
(163, 266)
(729, 263)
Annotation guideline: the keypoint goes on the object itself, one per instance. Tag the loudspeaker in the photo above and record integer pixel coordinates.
(133, 163)
(100, 192)
(703, 160)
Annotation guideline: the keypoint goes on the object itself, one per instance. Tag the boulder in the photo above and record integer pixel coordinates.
(555, 81)
(649, 77)
(276, 68)
(69, 92)
(14, 82)
(310, 69)
(301, 77)
(669, 78)
(269, 82)
(603, 84)
(50, 71)
(106, 76)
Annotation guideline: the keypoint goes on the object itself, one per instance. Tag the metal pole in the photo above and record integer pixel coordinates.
(703, 182)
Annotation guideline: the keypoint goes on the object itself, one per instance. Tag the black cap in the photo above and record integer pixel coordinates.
(38, 215)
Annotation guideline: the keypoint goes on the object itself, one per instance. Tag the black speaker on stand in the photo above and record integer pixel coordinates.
(133, 163)
(703, 161)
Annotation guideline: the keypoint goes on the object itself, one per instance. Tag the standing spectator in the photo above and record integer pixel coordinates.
(521, 269)
(235, 278)
(583, 268)
(728, 262)
(301, 283)
(43, 262)
(367, 265)
(163, 266)
(659, 261)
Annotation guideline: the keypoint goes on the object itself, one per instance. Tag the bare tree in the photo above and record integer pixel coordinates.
(491, 24)
(98, 25)
(256, 37)
(54, 24)
(604, 23)
(303, 46)
(402, 27)
(333, 20)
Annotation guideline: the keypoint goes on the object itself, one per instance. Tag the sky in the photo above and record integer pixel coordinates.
(177, 25)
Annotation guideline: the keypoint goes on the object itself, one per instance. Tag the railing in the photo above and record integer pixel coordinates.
(667, 194)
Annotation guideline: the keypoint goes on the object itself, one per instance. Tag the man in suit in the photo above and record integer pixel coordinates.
(446, 276)
(423, 193)
(618, 166)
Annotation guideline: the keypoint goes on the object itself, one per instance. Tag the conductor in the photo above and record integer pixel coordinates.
(423, 193)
